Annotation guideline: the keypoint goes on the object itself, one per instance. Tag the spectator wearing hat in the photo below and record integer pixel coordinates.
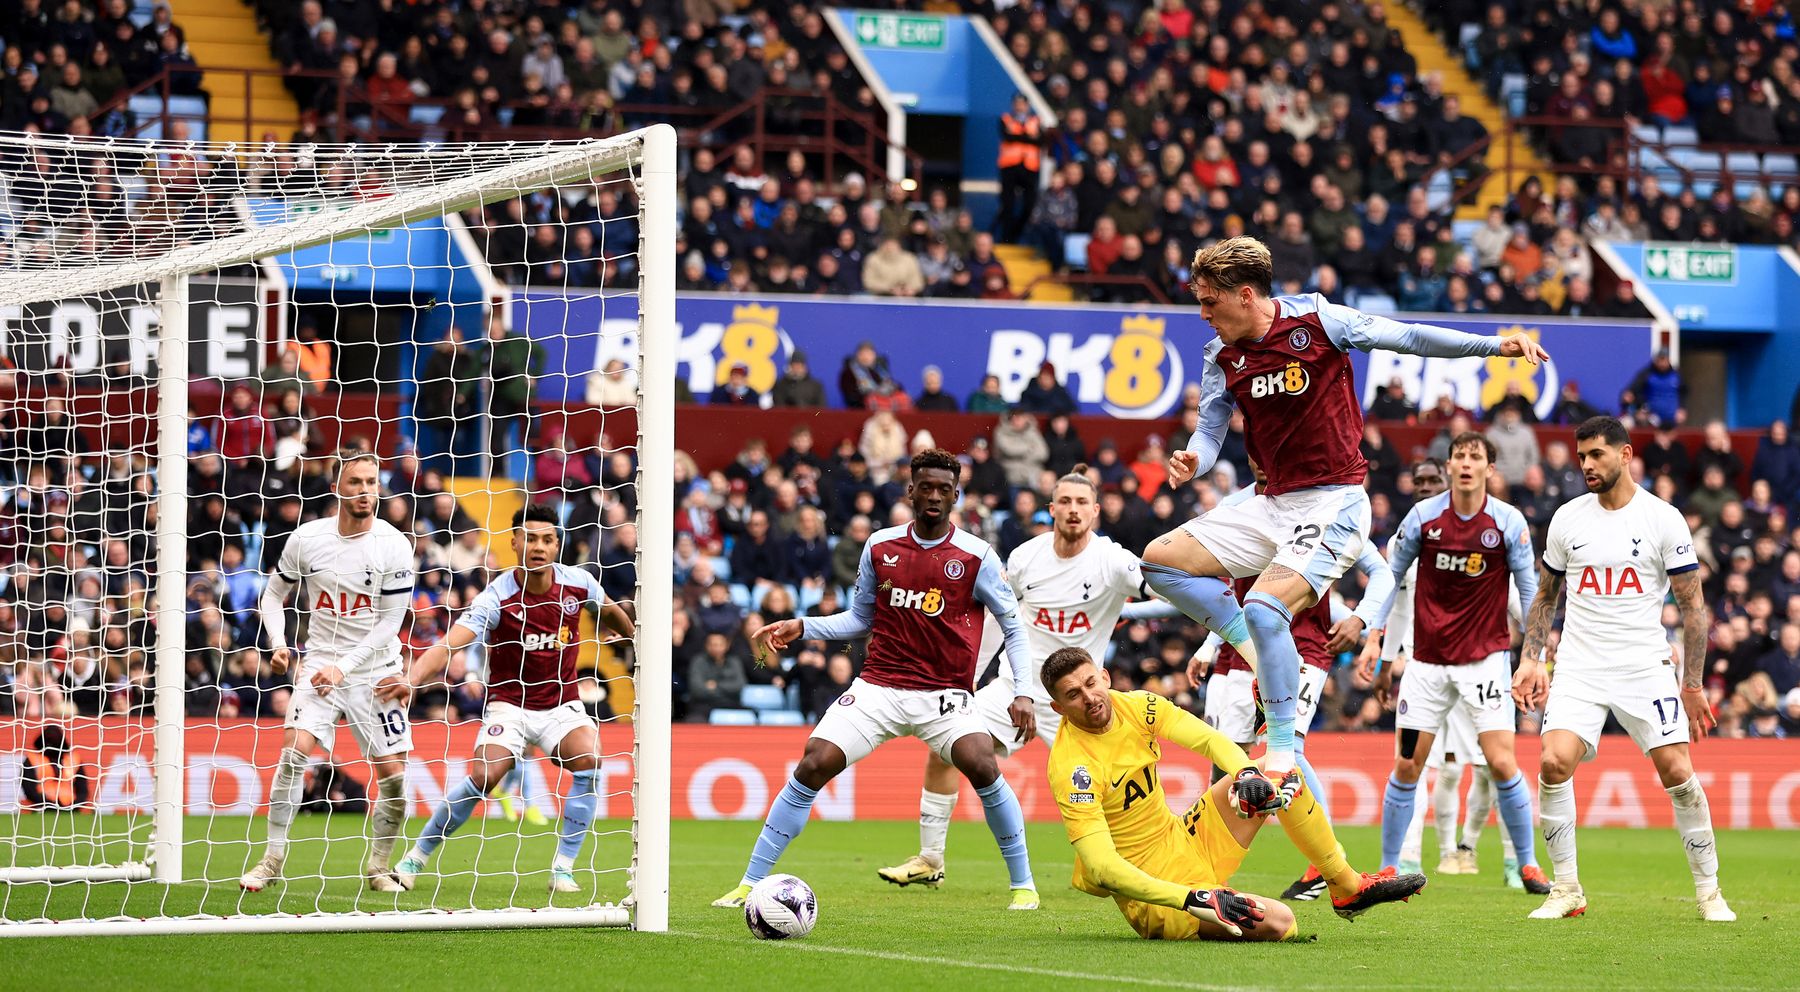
(1658, 390)
(736, 390)
(1045, 395)
(1570, 408)
(865, 380)
(797, 387)
(932, 398)
(1150, 468)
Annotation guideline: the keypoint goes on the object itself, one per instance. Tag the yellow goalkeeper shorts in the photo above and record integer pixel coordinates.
(1206, 858)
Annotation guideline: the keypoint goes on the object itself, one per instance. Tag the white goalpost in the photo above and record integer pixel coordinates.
(192, 335)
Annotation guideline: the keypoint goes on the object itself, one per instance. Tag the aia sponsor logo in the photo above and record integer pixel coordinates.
(344, 605)
(1063, 621)
(1610, 581)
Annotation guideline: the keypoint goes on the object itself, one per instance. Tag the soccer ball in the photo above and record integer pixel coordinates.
(779, 907)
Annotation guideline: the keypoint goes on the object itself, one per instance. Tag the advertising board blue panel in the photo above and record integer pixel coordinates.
(1123, 362)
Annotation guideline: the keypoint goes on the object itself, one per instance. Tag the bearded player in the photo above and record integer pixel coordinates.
(1466, 543)
(920, 592)
(358, 577)
(1283, 362)
(1170, 874)
(530, 618)
(1072, 586)
(1231, 704)
(1618, 551)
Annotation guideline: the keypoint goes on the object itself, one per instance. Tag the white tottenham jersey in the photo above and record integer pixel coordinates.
(1067, 602)
(343, 580)
(1616, 566)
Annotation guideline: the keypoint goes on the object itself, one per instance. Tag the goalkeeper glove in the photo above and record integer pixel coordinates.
(1252, 794)
(1225, 908)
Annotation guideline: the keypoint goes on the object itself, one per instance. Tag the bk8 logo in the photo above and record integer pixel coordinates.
(930, 602)
(1290, 381)
(1469, 564)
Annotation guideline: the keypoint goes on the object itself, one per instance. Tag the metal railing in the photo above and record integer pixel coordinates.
(818, 124)
(1630, 158)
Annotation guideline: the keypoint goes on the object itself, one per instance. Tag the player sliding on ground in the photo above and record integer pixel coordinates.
(1283, 362)
(1465, 543)
(1619, 551)
(1168, 873)
(1072, 585)
(531, 620)
(358, 575)
(920, 590)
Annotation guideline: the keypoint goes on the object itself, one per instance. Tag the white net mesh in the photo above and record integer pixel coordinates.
(440, 308)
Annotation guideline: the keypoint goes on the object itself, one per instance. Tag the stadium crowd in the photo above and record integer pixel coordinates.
(1307, 125)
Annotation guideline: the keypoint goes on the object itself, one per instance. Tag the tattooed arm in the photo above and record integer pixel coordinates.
(1691, 601)
(1530, 684)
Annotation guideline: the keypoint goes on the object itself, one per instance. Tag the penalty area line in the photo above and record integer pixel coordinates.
(1014, 969)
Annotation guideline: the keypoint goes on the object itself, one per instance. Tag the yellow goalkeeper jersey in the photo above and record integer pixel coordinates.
(1108, 782)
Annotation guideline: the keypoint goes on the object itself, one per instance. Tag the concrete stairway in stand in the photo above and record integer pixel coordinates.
(223, 35)
(1434, 56)
(1024, 265)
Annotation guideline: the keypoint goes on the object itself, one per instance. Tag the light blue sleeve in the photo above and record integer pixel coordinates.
(855, 621)
(1150, 609)
(1215, 414)
(1519, 558)
(1403, 552)
(1378, 598)
(1348, 328)
(994, 592)
(483, 613)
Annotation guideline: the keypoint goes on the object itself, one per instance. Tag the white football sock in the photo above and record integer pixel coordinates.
(388, 818)
(1445, 804)
(1556, 817)
(1481, 805)
(1693, 817)
(284, 797)
(934, 822)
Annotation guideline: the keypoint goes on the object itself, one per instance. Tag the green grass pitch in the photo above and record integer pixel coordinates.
(1462, 932)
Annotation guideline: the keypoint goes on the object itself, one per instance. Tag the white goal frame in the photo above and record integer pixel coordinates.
(650, 153)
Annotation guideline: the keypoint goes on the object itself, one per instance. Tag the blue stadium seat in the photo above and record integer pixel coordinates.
(1647, 132)
(1681, 134)
(1376, 303)
(1512, 91)
(1075, 248)
(1703, 188)
(1695, 159)
(732, 718)
(149, 109)
(426, 114)
(1743, 165)
(783, 718)
(1781, 166)
(763, 697)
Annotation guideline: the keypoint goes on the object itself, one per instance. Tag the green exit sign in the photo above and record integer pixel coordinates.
(899, 31)
(1691, 263)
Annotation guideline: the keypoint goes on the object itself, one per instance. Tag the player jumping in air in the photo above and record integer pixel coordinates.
(920, 591)
(531, 620)
(1231, 705)
(1283, 362)
(1465, 543)
(358, 577)
(1072, 585)
(1618, 551)
(1168, 873)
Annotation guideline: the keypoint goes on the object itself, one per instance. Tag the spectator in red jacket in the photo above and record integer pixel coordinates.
(243, 432)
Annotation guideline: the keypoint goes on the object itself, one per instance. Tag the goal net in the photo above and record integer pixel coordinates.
(194, 337)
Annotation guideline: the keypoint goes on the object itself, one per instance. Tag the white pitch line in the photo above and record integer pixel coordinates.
(1015, 969)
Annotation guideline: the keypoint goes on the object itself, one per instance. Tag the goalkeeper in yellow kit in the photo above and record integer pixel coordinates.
(1168, 873)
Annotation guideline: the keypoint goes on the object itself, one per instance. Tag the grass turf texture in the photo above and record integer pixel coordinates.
(1641, 931)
